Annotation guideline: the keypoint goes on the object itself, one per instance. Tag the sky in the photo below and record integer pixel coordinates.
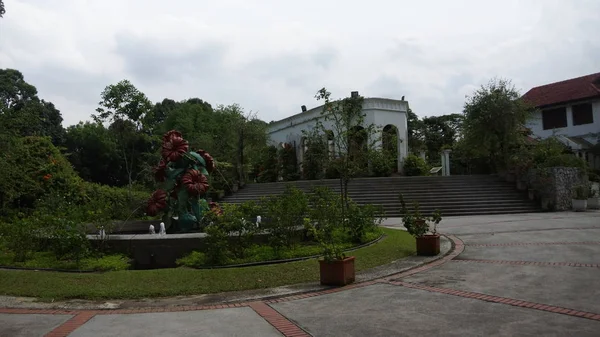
(272, 56)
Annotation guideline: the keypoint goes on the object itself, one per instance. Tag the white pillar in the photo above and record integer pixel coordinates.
(401, 156)
(443, 158)
(447, 161)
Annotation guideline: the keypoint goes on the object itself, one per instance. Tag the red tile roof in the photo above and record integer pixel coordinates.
(579, 88)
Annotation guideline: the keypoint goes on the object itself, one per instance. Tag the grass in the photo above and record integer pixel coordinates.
(132, 284)
(47, 260)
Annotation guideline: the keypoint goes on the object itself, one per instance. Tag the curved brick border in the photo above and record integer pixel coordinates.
(531, 263)
(502, 300)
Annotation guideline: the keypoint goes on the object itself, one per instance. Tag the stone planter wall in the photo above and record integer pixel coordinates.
(559, 188)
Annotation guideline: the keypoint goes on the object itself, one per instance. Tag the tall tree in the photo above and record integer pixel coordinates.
(495, 118)
(439, 132)
(22, 113)
(2, 10)
(415, 132)
(94, 154)
(129, 114)
(353, 137)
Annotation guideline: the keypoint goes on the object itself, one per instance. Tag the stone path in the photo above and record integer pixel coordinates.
(514, 275)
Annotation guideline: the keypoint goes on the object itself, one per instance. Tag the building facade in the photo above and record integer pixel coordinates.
(569, 110)
(387, 114)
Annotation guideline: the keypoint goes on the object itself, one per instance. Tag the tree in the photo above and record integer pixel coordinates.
(2, 10)
(129, 114)
(22, 113)
(94, 153)
(439, 132)
(415, 132)
(352, 137)
(495, 118)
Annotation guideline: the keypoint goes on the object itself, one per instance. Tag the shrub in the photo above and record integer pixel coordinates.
(415, 166)
(324, 224)
(32, 168)
(21, 237)
(106, 263)
(382, 163)
(266, 170)
(284, 214)
(216, 241)
(361, 220)
(289, 167)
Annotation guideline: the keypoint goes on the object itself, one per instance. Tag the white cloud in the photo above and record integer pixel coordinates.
(272, 56)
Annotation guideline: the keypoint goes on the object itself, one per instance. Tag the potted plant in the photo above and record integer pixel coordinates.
(593, 200)
(428, 240)
(335, 269)
(580, 196)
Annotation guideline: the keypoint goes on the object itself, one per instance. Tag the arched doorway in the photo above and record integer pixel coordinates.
(357, 143)
(389, 140)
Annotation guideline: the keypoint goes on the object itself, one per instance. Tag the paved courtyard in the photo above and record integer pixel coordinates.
(509, 275)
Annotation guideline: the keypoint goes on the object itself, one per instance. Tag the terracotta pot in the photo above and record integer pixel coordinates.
(337, 273)
(428, 245)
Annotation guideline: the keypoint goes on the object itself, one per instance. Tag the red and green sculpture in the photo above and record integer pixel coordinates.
(183, 178)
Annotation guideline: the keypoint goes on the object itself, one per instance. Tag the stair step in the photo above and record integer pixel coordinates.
(453, 195)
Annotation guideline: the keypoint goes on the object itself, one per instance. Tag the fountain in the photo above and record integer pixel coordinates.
(182, 176)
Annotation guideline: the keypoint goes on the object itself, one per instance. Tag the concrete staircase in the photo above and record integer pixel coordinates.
(452, 195)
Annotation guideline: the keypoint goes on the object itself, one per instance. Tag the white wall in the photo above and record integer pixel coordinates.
(379, 111)
(571, 130)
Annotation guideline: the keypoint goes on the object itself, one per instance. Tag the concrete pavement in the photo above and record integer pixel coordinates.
(510, 275)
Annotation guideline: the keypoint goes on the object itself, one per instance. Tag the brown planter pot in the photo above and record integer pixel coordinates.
(428, 245)
(337, 273)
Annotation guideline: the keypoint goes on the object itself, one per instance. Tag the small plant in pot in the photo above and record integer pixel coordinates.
(580, 196)
(335, 269)
(428, 240)
(593, 200)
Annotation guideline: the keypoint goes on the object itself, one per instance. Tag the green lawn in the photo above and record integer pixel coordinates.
(186, 281)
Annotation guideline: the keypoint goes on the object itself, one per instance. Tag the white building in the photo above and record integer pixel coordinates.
(570, 110)
(388, 114)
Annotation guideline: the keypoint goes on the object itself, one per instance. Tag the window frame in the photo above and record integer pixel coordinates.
(552, 127)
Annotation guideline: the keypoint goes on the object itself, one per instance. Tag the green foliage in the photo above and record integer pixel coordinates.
(362, 220)
(316, 157)
(216, 242)
(20, 238)
(382, 163)
(415, 223)
(60, 236)
(353, 137)
(580, 192)
(266, 169)
(494, 121)
(284, 215)
(415, 166)
(289, 165)
(237, 221)
(184, 281)
(22, 113)
(32, 167)
(325, 224)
